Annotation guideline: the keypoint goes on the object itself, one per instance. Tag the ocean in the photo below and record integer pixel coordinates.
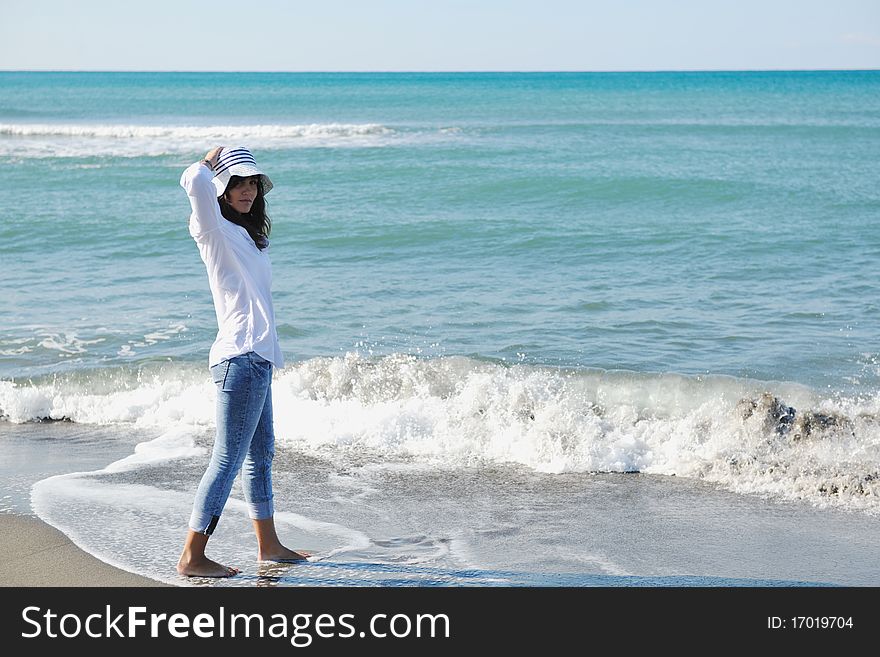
(540, 328)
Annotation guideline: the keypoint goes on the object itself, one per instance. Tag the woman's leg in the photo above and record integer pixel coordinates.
(194, 563)
(256, 471)
(256, 478)
(241, 394)
(269, 546)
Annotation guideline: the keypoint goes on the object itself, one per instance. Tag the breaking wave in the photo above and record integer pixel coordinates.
(781, 441)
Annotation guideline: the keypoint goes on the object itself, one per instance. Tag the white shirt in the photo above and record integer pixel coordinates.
(240, 275)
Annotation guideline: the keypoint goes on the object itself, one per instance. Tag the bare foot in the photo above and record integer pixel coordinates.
(204, 568)
(284, 555)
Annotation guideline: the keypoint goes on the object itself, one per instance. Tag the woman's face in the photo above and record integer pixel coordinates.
(242, 196)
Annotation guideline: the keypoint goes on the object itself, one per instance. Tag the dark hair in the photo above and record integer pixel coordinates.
(256, 222)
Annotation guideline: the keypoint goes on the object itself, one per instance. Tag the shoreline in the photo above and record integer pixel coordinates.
(605, 530)
(38, 555)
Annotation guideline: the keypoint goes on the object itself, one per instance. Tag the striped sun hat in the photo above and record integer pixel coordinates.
(237, 161)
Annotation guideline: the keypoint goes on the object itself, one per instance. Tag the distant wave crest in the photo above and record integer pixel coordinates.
(47, 139)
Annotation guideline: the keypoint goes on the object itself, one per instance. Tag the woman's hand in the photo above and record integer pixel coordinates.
(212, 155)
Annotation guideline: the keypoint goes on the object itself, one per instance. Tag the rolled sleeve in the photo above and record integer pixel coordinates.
(197, 181)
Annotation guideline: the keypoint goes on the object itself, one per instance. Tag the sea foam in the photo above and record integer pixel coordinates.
(72, 140)
(781, 440)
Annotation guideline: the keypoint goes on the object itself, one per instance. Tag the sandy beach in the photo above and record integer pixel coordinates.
(37, 554)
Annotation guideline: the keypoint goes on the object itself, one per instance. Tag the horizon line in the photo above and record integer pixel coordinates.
(444, 71)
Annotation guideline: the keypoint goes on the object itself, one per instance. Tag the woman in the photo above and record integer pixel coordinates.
(230, 226)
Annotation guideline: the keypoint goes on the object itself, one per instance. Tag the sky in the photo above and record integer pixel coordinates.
(439, 35)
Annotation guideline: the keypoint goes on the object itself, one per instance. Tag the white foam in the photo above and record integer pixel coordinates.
(171, 445)
(459, 412)
(162, 401)
(67, 343)
(71, 140)
(108, 519)
(454, 412)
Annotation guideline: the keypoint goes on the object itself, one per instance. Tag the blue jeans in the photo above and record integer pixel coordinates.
(245, 441)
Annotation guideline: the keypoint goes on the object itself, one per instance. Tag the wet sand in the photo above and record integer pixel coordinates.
(36, 554)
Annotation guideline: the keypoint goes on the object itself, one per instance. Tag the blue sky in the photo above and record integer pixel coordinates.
(438, 35)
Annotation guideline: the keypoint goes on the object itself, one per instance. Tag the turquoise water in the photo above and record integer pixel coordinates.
(698, 223)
